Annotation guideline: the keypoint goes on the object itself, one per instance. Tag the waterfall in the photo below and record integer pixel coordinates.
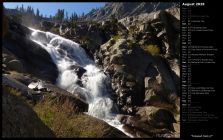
(77, 72)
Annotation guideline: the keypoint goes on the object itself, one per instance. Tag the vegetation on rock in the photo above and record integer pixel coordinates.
(152, 49)
(116, 37)
(58, 118)
(65, 121)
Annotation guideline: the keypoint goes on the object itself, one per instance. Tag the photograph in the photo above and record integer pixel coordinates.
(108, 70)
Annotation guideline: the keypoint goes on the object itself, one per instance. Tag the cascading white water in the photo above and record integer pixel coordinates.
(68, 55)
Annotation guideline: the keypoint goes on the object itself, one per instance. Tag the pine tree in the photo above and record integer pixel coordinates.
(17, 8)
(66, 16)
(74, 16)
(28, 10)
(22, 9)
(37, 12)
(60, 15)
(32, 11)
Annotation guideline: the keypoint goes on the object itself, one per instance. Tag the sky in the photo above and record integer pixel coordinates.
(50, 8)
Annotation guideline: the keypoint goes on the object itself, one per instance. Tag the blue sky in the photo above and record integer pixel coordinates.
(50, 8)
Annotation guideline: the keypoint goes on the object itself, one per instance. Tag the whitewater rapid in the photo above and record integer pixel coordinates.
(91, 83)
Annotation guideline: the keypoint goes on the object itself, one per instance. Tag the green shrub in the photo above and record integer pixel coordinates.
(116, 37)
(152, 49)
(47, 25)
(12, 90)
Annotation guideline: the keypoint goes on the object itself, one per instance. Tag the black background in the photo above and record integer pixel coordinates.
(206, 75)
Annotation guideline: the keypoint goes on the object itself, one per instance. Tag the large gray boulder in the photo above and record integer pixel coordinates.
(149, 122)
(15, 65)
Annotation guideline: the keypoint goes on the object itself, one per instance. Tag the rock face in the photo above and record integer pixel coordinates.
(150, 122)
(126, 72)
(124, 9)
(28, 56)
(164, 24)
(4, 26)
(138, 77)
(17, 124)
(146, 83)
(161, 118)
